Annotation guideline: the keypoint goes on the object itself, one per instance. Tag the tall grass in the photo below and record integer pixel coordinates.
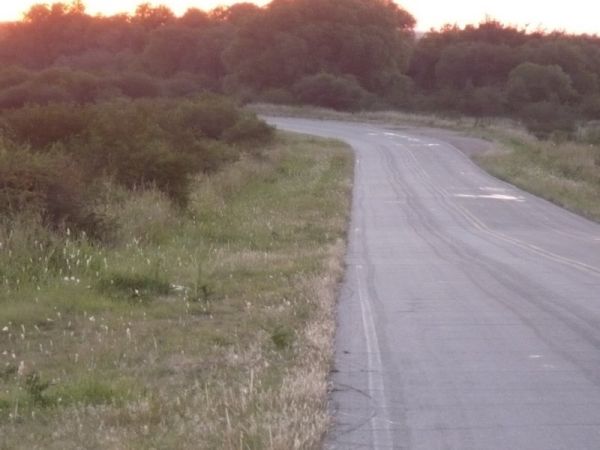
(564, 172)
(209, 327)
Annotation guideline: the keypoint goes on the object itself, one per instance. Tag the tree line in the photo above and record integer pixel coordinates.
(345, 54)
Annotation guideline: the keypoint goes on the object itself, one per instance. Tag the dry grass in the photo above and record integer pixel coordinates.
(207, 329)
(566, 173)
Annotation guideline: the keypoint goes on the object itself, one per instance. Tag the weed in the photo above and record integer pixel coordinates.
(282, 337)
(36, 388)
(134, 285)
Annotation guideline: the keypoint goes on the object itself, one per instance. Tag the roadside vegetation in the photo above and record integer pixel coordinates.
(348, 55)
(566, 172)
(204, 326)
(168, 262)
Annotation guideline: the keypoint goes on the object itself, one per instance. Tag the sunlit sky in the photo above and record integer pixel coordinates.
(579, 16)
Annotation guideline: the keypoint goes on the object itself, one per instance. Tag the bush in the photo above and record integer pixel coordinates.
(331, 92)
(137, 85)
(138, 143)
(42, 126)
(208, 116)
(156, 167)
(13, 76)
(277, 96)
(249, 128)
(546, 118)
(483, 102)
(47, 184)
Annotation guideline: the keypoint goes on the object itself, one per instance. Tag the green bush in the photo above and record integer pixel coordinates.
(546, 118)
(158, 143)
(156, 167)
(48, 184)
(13, 75)
(330, 91)
(209, 116)
(137, 85)
(42, 126)
(249, 128)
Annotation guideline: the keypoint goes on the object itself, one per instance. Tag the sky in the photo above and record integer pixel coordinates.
(578, 16)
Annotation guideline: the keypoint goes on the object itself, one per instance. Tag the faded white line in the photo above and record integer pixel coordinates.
(376, 386)
(492, 197)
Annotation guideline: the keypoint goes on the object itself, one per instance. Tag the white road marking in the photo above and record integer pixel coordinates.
(380, 423)
(492, 189)
(492, 197)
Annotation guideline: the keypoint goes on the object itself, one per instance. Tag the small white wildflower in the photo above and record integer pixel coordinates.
(5, 329)
(92, 319)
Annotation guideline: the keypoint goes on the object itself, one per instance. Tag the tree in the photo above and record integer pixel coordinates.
(292, 39)
(151, 17)
(534, 83)
(481, 64)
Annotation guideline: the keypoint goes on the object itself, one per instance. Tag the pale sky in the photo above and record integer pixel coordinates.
(580, 16)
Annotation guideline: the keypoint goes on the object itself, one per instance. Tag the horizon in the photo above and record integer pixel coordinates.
(533, 15)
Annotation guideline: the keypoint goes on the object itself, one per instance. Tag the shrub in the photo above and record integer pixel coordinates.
(137, 85)
(182, 86)
(208, 116)
(42, 126)
(330, 91)
(534, 83)
(139, 143)
(156, 167)
(278, 96)
(249, 128)
(13, 76)
(545, 118)
(483, 102)
(48, 184)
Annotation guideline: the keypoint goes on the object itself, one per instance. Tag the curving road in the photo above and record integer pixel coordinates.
(470, 313)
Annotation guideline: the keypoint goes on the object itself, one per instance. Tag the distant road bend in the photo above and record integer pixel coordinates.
(470, 313)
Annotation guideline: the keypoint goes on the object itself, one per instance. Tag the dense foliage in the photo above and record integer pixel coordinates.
(344, 54)
(60, 53)
(56, 159)
(549, 80)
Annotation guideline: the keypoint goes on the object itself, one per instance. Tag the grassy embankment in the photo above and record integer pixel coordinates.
(209, 329)
(566, 172)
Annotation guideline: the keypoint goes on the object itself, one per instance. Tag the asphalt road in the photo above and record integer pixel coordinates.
(470, 313)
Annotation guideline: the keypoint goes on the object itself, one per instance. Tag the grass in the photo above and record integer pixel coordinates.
(566, 173)
(208, 328)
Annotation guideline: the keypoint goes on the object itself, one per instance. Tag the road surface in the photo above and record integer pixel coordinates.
(470, 313)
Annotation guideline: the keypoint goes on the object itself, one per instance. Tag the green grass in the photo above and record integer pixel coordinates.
(566, 173)
(205, 328)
